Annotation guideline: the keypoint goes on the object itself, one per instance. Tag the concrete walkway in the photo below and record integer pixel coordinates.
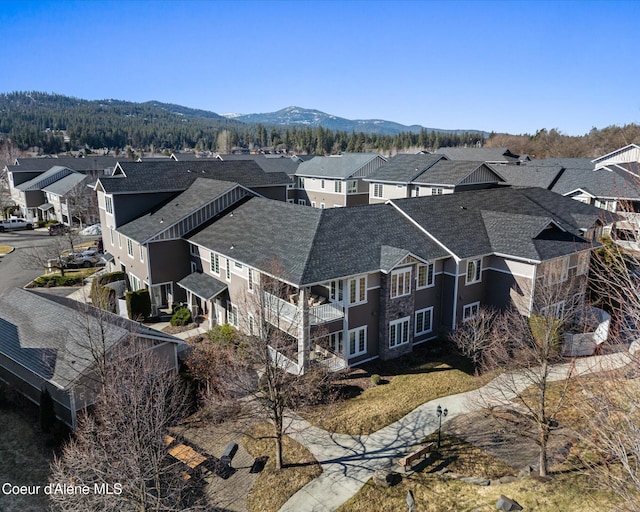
(349, 461)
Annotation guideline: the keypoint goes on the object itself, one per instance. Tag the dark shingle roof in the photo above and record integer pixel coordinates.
(452, 173)
(567, 163)
(403, 168)
(65, 185)
(46, 178)
(337, 166)
(601, 183)
(531, 175)
(268, 163)
(203, 285)
(169, 175)
(201, 192)
(504, 220)
(89, 163)
(480, 154)
(55, 350)
(307, 245)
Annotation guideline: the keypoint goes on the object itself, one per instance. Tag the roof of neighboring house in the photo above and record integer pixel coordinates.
(504, 220)
(601, 183)
(567, 163)
(337, 166)
(403, 168)
(453, 172)
(65, 185)
(54, 174)
(201, 192)
(203, 285)
(32, 334)
(531, 175)
(268, 163)
(616, 152)
(293, 241)
(169, 175)
(89, 163)
(629, 167)
(480, 154)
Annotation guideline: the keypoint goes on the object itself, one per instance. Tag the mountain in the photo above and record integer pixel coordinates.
(292, 116)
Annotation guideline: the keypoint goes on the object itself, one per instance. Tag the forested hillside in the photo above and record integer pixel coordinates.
(53, 123)
(42, 120)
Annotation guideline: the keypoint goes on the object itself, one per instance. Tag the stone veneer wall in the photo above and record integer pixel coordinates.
(394, 309)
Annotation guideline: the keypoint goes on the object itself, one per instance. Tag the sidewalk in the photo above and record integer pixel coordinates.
(349, 461)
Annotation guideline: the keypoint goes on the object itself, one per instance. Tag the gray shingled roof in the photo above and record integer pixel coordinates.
(504, 220)
(32, 334)
(42, 180)
(480, 154)
(268, 163)
(65, 185)
(203, 285)
(201, 192)
(89, 163)
(169, 175)
(531, 175)
(451, 173)
(305, 245)
(338, 166)
(403, 168)
(567, 163)
(601, 183)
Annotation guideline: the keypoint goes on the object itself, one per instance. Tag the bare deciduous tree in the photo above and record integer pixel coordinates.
(52, 256)
(474, 336)
(123, 441)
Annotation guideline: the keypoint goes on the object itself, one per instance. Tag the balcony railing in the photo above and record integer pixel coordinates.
(279, 310)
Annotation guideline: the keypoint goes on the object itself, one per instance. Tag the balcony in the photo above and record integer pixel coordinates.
(279, 311)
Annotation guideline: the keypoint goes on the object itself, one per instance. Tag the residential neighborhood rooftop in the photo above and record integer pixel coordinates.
(337, 166)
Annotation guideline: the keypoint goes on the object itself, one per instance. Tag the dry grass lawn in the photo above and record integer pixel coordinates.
(568, 492)
(408, 383)
(273, 488)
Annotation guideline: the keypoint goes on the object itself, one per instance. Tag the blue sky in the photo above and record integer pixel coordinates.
(504, 66)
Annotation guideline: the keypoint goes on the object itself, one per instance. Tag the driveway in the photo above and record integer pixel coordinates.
(12, 272)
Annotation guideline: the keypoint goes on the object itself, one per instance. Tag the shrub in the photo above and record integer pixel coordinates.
(376, 379)
(56, 280)
(182, 316)
(138, 304)
(226, 335)
(103, 279)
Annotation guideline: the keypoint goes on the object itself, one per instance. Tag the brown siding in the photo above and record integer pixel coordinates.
(169, 261)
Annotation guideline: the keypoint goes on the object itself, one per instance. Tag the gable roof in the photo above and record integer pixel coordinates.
(480, 154)
(601, 183)
(60, 351)
(169, 175)
(268, 163)
(294, 242)
(66, 184)
(89, 163)
(455, 172)
(403, 168)
(46, 178)
(531, 175)
(336, 166)
(630, 148)
(201, 192)
(504, 220)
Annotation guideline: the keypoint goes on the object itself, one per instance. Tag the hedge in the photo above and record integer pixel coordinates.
(138, 304)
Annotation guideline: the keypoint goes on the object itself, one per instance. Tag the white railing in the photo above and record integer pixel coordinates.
(324, 313)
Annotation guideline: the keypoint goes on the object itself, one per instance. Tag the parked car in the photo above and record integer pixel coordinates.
(57, 229)
(88, 258)
(15, 223)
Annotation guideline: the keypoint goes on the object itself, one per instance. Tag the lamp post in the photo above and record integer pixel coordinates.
(440, 412)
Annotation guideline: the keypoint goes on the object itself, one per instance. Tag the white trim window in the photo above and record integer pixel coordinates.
(474, 271)
(358, 341)
(352, 186)
(322, 206)
(251, 322)
(437, 191)
(425, 277)
(470, 311)
(111, 236)
(303, 202)
(232, 314)
(313, 204)
(130, 247)
(337, 187)
(228, 270)
(377, 190)
(358, 290)
(108, 204)
(583, 263)
(135, 283)
(424, 321)
(399, 332)
(336, 344)
(401, 282)
(300, 182)
(250, 280)
(119, 241)
(321, 183)
(556, 271)
(141, 251)
(214, 264)
(336, 291)
(556, 310)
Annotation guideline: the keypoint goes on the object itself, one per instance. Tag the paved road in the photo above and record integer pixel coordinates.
(12, 271)
(349, 461)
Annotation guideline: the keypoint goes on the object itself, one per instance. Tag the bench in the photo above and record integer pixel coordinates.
(408, 460)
